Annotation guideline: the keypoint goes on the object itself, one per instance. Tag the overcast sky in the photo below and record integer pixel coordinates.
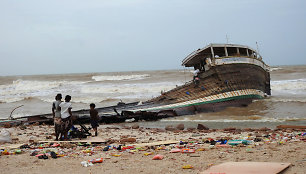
(77, 36)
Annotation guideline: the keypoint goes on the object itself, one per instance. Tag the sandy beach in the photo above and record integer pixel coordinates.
(175, 86)
(264, 145)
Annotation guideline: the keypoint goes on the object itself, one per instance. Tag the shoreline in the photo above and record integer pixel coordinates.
(216, 125)
(278, 145)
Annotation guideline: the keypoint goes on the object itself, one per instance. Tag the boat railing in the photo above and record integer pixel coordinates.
(190, 55)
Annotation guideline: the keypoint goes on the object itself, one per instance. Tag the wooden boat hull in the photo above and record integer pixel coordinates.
(220, 87)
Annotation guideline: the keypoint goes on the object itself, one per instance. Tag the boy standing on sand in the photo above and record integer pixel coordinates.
(56, 112)
(66, 116)
(94, 118)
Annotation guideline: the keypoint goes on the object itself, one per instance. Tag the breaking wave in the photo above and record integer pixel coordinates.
(13, 99)
(25, 89)
(296, 86)
(120, 77)
(84, 99)
(275, 68)
(81, 91)
(148, 88)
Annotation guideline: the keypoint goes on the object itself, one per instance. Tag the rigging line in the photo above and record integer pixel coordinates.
(10, 117)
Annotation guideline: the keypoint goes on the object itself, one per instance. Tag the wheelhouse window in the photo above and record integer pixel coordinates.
(243, 52)
(250, 52)
(219, 52)
(232, 51)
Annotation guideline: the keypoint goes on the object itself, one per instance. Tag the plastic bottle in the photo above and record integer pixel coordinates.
(98, 160)
(188, 151)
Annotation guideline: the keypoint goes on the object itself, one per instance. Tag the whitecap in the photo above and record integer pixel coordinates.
(295, 86)
(120, 77)
(137, 88)
(23, 89)
(275, 68)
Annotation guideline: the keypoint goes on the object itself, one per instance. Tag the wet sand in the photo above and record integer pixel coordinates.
(285, 146)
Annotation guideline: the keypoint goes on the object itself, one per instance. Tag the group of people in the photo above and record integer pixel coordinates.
(62, 116)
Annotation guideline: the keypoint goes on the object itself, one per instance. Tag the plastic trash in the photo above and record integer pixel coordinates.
(116, 155)
(236, 142)
(106, 148)
(98, 160)
(53, 155)
(188, 151)
(39, 155)
(5, 152)
(187, 167)
(18, 151)
(42, 156)
(224, 145)
(87, 151)
(149, 153)
(158, 157)
(201, 149)
(175, 150)
(86, 164)
(55, 145)
(127, 147)
(5, 136)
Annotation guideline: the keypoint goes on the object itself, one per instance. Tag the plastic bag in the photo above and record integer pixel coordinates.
(5, 136)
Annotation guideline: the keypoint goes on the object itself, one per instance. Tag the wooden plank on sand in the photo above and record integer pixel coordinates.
(248, 167)
(156, 143)
(88, 140)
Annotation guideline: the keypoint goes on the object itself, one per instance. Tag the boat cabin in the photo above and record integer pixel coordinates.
(206, 57)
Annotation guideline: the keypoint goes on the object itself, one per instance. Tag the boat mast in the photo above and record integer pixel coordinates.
(257, 50)
(212, 51)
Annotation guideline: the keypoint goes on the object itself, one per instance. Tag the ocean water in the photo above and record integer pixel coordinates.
(287, 105)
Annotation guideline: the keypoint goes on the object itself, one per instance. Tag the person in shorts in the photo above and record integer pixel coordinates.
(66, 116)
(94, 118)
(56, 112)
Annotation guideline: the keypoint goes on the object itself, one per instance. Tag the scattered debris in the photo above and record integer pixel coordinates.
(5, 136)
(158, 157)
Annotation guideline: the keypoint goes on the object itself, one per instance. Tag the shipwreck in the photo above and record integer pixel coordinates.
(225, 75)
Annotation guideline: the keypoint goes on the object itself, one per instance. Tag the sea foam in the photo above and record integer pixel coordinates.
(295, 86)
(129, 88)
(275, 68)
(25, 89)
(81, 91)
(120, 77)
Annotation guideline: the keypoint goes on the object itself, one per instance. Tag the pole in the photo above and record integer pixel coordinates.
(11, 118)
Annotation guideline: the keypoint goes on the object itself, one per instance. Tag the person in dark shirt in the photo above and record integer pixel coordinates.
(56, 112)
(94, 118)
